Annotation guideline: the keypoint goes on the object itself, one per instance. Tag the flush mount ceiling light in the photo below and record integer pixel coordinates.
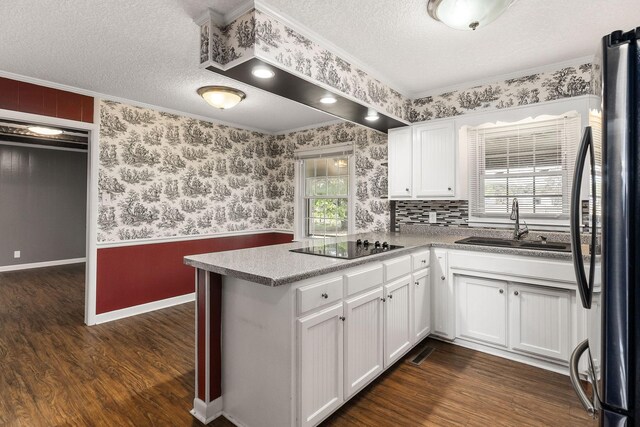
(221, 97)
(262, 72)
(372, 116)
(328, 99)
(467, 14)
(40, 130)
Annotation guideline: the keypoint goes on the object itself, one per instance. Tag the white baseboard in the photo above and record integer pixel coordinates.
(42, 264)
(206, 413)
(143, 308)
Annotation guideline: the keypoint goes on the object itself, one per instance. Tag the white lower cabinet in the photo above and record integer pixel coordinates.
(363, 340)
(397, 319)
(443, 302)
(482, 309)
(321, 356)
(421, 304)
(540, 321)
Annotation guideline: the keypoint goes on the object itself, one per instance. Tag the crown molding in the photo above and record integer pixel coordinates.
(502, 77)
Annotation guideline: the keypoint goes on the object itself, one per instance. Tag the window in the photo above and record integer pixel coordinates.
(325, 186)
(532, 160)
(326, 196)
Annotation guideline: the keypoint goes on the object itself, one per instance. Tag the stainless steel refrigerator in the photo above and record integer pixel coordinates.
(608, 272)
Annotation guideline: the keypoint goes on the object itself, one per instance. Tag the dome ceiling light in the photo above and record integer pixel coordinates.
(222, 97)
(467, 14)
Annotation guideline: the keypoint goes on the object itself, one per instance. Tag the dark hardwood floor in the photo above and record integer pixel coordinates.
(55, 371)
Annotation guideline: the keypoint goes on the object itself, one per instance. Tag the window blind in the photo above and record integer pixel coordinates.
(532, 160)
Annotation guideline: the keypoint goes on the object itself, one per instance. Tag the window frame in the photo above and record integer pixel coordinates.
(540, 221)
(337, 150)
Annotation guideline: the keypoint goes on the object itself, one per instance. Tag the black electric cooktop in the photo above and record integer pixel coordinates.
(348, 249)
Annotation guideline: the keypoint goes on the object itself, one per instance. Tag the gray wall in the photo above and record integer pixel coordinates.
(43, 197)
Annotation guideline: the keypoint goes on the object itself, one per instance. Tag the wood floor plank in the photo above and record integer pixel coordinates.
(140, 371)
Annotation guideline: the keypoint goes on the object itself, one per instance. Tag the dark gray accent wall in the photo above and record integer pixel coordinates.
(43, 198)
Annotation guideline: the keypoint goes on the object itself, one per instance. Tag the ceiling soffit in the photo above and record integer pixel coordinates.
(257, 34)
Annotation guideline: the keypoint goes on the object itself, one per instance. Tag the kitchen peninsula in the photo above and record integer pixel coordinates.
(292, 336)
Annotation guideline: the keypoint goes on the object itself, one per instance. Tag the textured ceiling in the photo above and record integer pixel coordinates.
(416, 54)
(142, 51)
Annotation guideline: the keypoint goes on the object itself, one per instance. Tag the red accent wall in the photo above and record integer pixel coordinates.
(36, 99)
(133, 275)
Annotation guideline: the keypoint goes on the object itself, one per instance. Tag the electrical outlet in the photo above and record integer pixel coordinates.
(432, 218)
(16, 254)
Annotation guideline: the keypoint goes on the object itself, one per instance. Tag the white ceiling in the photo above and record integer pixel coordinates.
(147, 51)
(418, 55)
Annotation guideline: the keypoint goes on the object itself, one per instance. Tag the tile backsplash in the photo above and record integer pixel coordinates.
(449, 213)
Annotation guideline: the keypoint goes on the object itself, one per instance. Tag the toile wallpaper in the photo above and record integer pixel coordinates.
(370, 150)
(564, 83)
(163, 175)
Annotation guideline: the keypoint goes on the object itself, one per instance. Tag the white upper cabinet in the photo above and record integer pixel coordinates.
(400, 162)
(427, 161)
(434, 167)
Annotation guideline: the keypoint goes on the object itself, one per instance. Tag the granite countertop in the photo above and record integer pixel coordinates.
(276, 265)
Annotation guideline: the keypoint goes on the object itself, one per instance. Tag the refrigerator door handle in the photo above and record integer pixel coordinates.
(575, 377)
(585, 286)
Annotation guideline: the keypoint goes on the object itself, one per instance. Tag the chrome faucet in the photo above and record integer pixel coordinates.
(515, 214)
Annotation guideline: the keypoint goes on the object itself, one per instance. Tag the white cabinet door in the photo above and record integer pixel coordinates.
(482, 309)
(363, 340)
(421, 304)
(434, 169)
(540, 321)
(397, 319)
(320, 364)
(443, 303)
(400, 163)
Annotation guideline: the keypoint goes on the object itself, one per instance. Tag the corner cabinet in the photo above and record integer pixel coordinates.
(427, 161)
(400, 163)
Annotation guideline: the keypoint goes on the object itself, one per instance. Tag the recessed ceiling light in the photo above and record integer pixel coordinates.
(372, 116)
(328, 99)
(41, 130)
(467, 14)
(262, 72)
(221, 97)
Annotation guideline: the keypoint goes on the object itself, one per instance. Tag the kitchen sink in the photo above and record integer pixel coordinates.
(518, 244)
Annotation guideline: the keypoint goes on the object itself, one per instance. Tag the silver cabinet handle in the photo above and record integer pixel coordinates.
(383, 299)
(449, 188)
(516, 293)
(390, 296)
(341, 318)
(407, 190)
(442, 277)
(325, 296)
(417, 283)
(502, 291)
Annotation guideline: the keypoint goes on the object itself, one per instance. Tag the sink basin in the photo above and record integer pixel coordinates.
(518, 244)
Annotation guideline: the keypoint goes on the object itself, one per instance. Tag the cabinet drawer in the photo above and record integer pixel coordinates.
(421, 259)
(319, 294)
(397, 267)
(363, 279)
